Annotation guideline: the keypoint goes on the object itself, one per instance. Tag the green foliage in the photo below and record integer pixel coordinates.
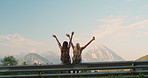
(35, 64)
(116, 76)
(141, 75)
(143, 58)
(9, 60)
(24, 63)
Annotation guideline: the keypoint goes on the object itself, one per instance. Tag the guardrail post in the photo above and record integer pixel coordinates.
(133, 66)
(40, 75)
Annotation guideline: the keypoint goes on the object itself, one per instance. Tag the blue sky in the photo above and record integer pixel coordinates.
(121, 25)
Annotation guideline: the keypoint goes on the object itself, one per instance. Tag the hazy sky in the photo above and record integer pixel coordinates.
(28, 25)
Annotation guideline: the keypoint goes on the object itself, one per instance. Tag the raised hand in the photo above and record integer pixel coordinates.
(57, 40)
(93, 38)
(54, 36)
(88, 43)
(72, 33)
(68, 35)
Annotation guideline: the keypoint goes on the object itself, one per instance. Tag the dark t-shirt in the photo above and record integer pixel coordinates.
(65, 57)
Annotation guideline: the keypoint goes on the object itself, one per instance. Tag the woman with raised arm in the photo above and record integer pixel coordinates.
(65, 57)
(77, 50)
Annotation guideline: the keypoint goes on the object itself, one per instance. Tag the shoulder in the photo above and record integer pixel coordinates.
(60, 47)
(82, 48)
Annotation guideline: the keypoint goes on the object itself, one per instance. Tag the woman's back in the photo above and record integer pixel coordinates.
(65, 57)
(77, 54)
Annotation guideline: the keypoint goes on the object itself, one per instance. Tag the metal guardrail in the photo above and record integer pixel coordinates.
(125, 68)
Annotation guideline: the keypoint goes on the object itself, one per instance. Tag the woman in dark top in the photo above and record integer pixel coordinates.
(65, 57)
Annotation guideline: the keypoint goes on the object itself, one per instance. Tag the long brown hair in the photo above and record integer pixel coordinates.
(64, 46)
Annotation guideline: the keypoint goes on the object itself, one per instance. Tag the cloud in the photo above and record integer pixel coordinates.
(112, 20)
(119, 26)
(17, 41)
(140, 24)
(141, 17)
(15, 44)
(144, 34)
(145, 7)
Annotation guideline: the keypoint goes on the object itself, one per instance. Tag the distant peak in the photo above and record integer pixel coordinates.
(99, 46)
(101, 53)
(33, 51)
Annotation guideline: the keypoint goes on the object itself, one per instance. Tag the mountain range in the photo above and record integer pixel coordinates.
(33, 58)
(143, 58)
(53, 57)
(99, 53)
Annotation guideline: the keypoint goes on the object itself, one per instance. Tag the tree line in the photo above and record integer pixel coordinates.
(8, 61)
(12, 61)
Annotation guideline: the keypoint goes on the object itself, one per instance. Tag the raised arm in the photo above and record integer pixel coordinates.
(70, 38)
(88, 43)
(57, 40)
